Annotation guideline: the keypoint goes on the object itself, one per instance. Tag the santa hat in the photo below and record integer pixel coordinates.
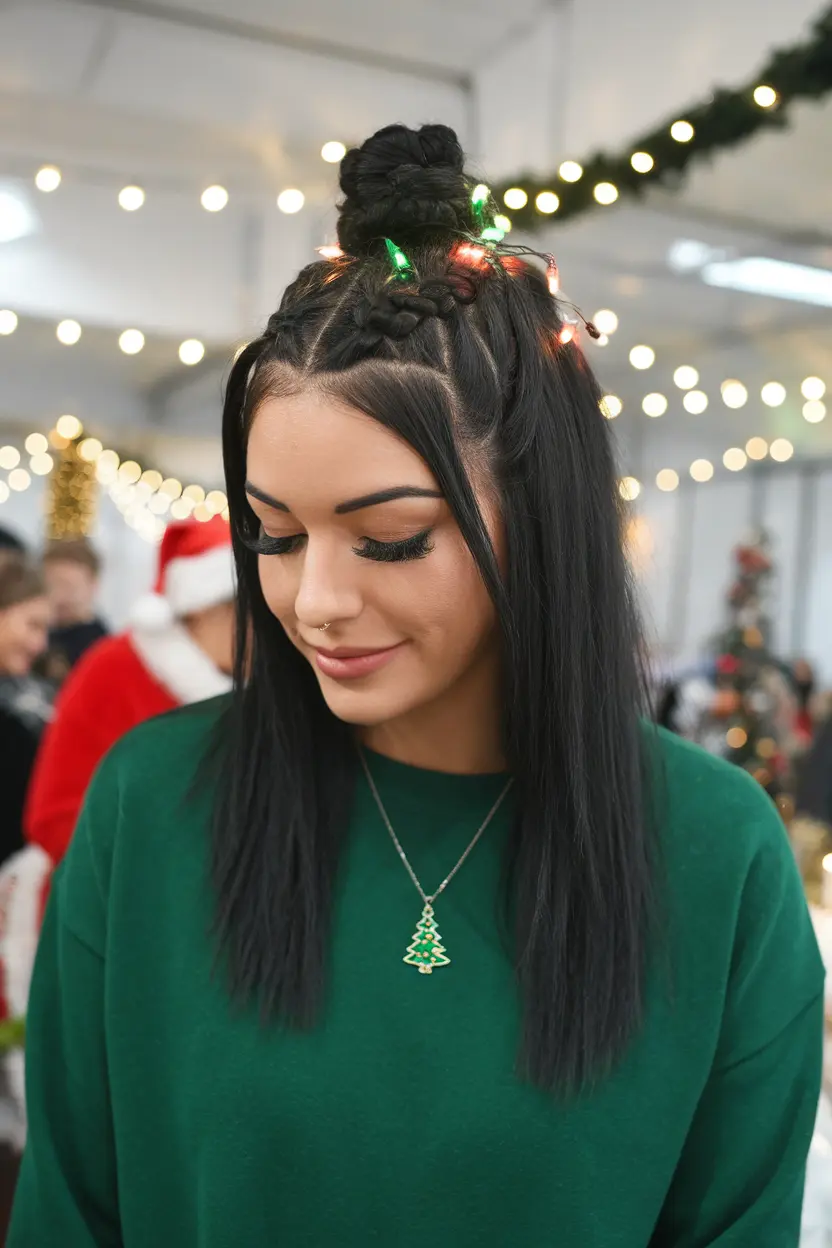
(196, 571)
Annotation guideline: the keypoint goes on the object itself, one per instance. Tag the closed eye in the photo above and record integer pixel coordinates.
(410, 548)
(416, 547)
(262, 544)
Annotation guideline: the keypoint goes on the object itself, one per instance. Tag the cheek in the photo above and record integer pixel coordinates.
(442, 600)
(279, 582)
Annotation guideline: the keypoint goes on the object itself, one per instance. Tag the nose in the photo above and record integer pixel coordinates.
(328, 592)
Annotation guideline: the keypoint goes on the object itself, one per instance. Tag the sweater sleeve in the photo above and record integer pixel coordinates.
(739, 1181)
(67, 1193)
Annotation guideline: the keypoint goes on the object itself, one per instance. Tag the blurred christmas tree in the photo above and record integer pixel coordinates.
(747, 707)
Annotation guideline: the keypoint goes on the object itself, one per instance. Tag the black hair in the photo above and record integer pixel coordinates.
(10, 541)
(461, 355)
(20, 579)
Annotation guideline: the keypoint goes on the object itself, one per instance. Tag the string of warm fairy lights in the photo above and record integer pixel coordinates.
(534, 203)
(734, 395)
(213, 198)
(722, 120)
(734, 458)
(130, 341)
(686, 378)
(144, 497)
(130, 198)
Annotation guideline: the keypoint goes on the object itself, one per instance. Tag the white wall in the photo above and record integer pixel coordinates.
(692, 534)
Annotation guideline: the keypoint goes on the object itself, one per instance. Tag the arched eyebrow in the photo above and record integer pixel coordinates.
(354, 504)
(263, 497)
(385, 496)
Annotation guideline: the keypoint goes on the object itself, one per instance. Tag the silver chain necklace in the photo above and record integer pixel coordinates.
(426, 950)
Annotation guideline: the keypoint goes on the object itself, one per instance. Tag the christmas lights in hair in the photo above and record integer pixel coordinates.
(399, 262)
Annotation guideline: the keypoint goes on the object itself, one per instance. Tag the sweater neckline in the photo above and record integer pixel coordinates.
(418, 783)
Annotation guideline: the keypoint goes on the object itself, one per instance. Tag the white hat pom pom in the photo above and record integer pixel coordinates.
(152, 612)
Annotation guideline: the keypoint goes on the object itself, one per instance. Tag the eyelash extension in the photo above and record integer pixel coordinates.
(265, 545)
(416, 547)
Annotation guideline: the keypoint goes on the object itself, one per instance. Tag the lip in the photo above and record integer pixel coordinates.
(349, 662)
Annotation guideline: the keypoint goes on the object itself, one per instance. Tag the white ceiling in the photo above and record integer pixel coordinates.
(182, 93)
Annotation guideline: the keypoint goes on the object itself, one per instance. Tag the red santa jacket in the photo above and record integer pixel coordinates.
(120, 682)
(109, 692)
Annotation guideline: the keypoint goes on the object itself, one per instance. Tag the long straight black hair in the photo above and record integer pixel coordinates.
(459, 352)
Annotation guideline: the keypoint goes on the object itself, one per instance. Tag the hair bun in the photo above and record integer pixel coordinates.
(408, 185)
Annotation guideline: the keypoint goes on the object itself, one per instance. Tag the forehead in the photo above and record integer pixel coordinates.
(29, 607)
(65, 567)
(317, 445)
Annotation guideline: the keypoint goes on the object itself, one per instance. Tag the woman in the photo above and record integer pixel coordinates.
(490, 964)
(25, 703)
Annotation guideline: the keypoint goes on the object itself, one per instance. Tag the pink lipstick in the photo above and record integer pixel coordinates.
(347, 663)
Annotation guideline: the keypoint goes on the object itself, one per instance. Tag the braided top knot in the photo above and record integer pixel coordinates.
(395, 314)
(404, 184)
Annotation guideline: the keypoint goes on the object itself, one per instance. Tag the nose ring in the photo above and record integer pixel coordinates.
(322, 628)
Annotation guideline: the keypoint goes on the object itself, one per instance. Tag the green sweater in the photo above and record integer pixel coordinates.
(161, 1117)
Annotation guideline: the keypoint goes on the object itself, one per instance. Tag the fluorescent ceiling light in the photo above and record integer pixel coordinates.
(760, 275)
(688, 254)
(16, 219)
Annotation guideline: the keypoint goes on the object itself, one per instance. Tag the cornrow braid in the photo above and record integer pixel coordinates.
(393, 315)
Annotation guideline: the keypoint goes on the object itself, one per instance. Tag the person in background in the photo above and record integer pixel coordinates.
(814, 787)
(803, 676)
(25, 702)
(179, 649)
(71, 569)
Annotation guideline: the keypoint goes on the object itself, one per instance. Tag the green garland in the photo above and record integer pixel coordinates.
(725, 119)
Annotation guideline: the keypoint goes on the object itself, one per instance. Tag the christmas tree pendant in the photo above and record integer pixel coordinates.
(427, 950)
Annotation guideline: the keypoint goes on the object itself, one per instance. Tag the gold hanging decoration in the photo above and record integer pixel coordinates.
(72, 495)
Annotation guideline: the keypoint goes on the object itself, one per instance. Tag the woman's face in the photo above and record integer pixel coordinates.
(24, 635)
(356, 536)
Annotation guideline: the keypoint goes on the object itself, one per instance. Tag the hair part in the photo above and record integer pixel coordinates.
(488, 383)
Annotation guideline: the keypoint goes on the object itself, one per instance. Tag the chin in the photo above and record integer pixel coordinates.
(367, 707)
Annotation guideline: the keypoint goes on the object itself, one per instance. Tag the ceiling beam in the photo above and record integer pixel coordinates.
(252, 32)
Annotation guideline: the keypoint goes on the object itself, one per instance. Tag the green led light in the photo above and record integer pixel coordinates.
(401, 264)
(479, 198)
(492, 234)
